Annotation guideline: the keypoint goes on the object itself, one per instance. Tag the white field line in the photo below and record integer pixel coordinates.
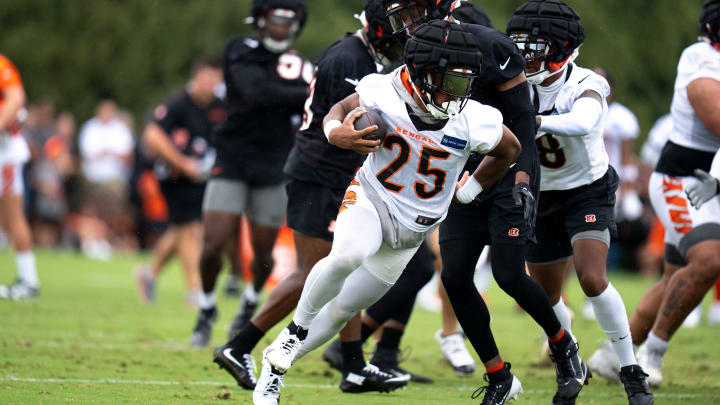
(10, 378)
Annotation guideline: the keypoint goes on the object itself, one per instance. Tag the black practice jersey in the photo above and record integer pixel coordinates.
(189, 128)
(264, 91)
(501, 63)
(339, 70)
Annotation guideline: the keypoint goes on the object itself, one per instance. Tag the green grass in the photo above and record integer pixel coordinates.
(88, 340)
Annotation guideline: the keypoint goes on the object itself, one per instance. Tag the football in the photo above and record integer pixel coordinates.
(371, 117)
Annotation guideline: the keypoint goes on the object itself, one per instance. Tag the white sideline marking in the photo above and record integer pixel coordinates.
(11, 378)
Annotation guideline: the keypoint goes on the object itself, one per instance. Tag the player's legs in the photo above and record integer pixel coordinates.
(688, 285)
(11, 209)
(347, 254)
(223, 204)
(644, 315)
(235, 278)
(163, 251)
(189, 245)
(551, 276)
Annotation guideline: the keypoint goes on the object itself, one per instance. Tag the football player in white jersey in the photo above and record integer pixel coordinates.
(692, 233)
(403, 189)
(577, 188)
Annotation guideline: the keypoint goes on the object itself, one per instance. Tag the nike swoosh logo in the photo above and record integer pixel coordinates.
(624, 336)
(354, 82)
(504, 65)
(227, 354)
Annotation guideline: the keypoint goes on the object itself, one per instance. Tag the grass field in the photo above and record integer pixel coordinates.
(88, 340)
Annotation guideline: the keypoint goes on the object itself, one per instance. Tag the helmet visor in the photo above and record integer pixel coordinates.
(406, 16)
(536, 49)
(457, 82)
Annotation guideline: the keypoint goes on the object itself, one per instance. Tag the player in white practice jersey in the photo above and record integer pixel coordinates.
(692, 233)
(403, 189)
(577, 188)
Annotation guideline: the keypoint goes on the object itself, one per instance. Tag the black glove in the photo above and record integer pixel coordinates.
(523, 197)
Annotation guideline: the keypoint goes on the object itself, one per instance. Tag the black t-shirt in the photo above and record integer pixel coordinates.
(339, 69)
(189, 128)
(264, 91)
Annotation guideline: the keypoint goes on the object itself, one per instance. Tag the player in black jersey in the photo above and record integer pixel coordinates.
(266, 87)
(319, 174)
(501, 216)
(180, 137)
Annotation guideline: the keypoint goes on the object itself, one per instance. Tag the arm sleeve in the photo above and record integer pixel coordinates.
(487, 132)
(520, 118)
(579, 121)
(261, 92)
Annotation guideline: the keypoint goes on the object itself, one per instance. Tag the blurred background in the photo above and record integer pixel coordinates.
(82, 58)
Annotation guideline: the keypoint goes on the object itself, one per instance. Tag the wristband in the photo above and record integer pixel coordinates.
(469, 190)
(329, 126)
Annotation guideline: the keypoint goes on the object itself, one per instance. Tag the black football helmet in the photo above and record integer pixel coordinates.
(278, 22)
(443, 56)
(470, 13)
(406, 15)
(710, 22)
(385, 47)
(549, 31)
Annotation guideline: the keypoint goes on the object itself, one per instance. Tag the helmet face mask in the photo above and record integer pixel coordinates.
(445, 92)
(384, 47)
(278, 29)
(535, 51)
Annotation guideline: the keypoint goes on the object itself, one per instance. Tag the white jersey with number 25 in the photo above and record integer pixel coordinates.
(415, 171)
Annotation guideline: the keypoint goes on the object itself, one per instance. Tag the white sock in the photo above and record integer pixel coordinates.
(612, 317)
(27, 272)
(251, 295)
(656, 349)
(563, 315)
(207, 300)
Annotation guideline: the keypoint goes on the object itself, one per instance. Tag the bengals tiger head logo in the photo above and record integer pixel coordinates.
(590, 218)
(514, 232)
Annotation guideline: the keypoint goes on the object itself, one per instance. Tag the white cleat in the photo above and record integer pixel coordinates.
(605, 363)
(650, 363)
(281, 353)
(714, 314)
(453, 350)
(267, 389)
(693, 319)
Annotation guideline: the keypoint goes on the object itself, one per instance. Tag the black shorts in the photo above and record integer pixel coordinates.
(184, 201)
(312, 208)
(495, 220)
(565, 213)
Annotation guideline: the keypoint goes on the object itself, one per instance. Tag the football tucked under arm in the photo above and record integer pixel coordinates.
(339, 126)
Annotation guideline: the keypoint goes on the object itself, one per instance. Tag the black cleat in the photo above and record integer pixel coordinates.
(571, 371)
(387, 361)
(371, 379)
(638, 391)
(240, 366)
(500, 392)
(242, 318)
(332, 355)
(203, 327)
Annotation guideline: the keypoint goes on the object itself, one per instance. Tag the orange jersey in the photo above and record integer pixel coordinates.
(9, 77)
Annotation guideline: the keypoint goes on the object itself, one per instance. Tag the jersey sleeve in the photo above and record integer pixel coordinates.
(165, 116)
(707, 65)
(368, 89)
(9, 74)
(485, 127)
(592, 82)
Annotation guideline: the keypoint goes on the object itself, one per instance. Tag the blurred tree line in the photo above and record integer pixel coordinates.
(76, 52)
